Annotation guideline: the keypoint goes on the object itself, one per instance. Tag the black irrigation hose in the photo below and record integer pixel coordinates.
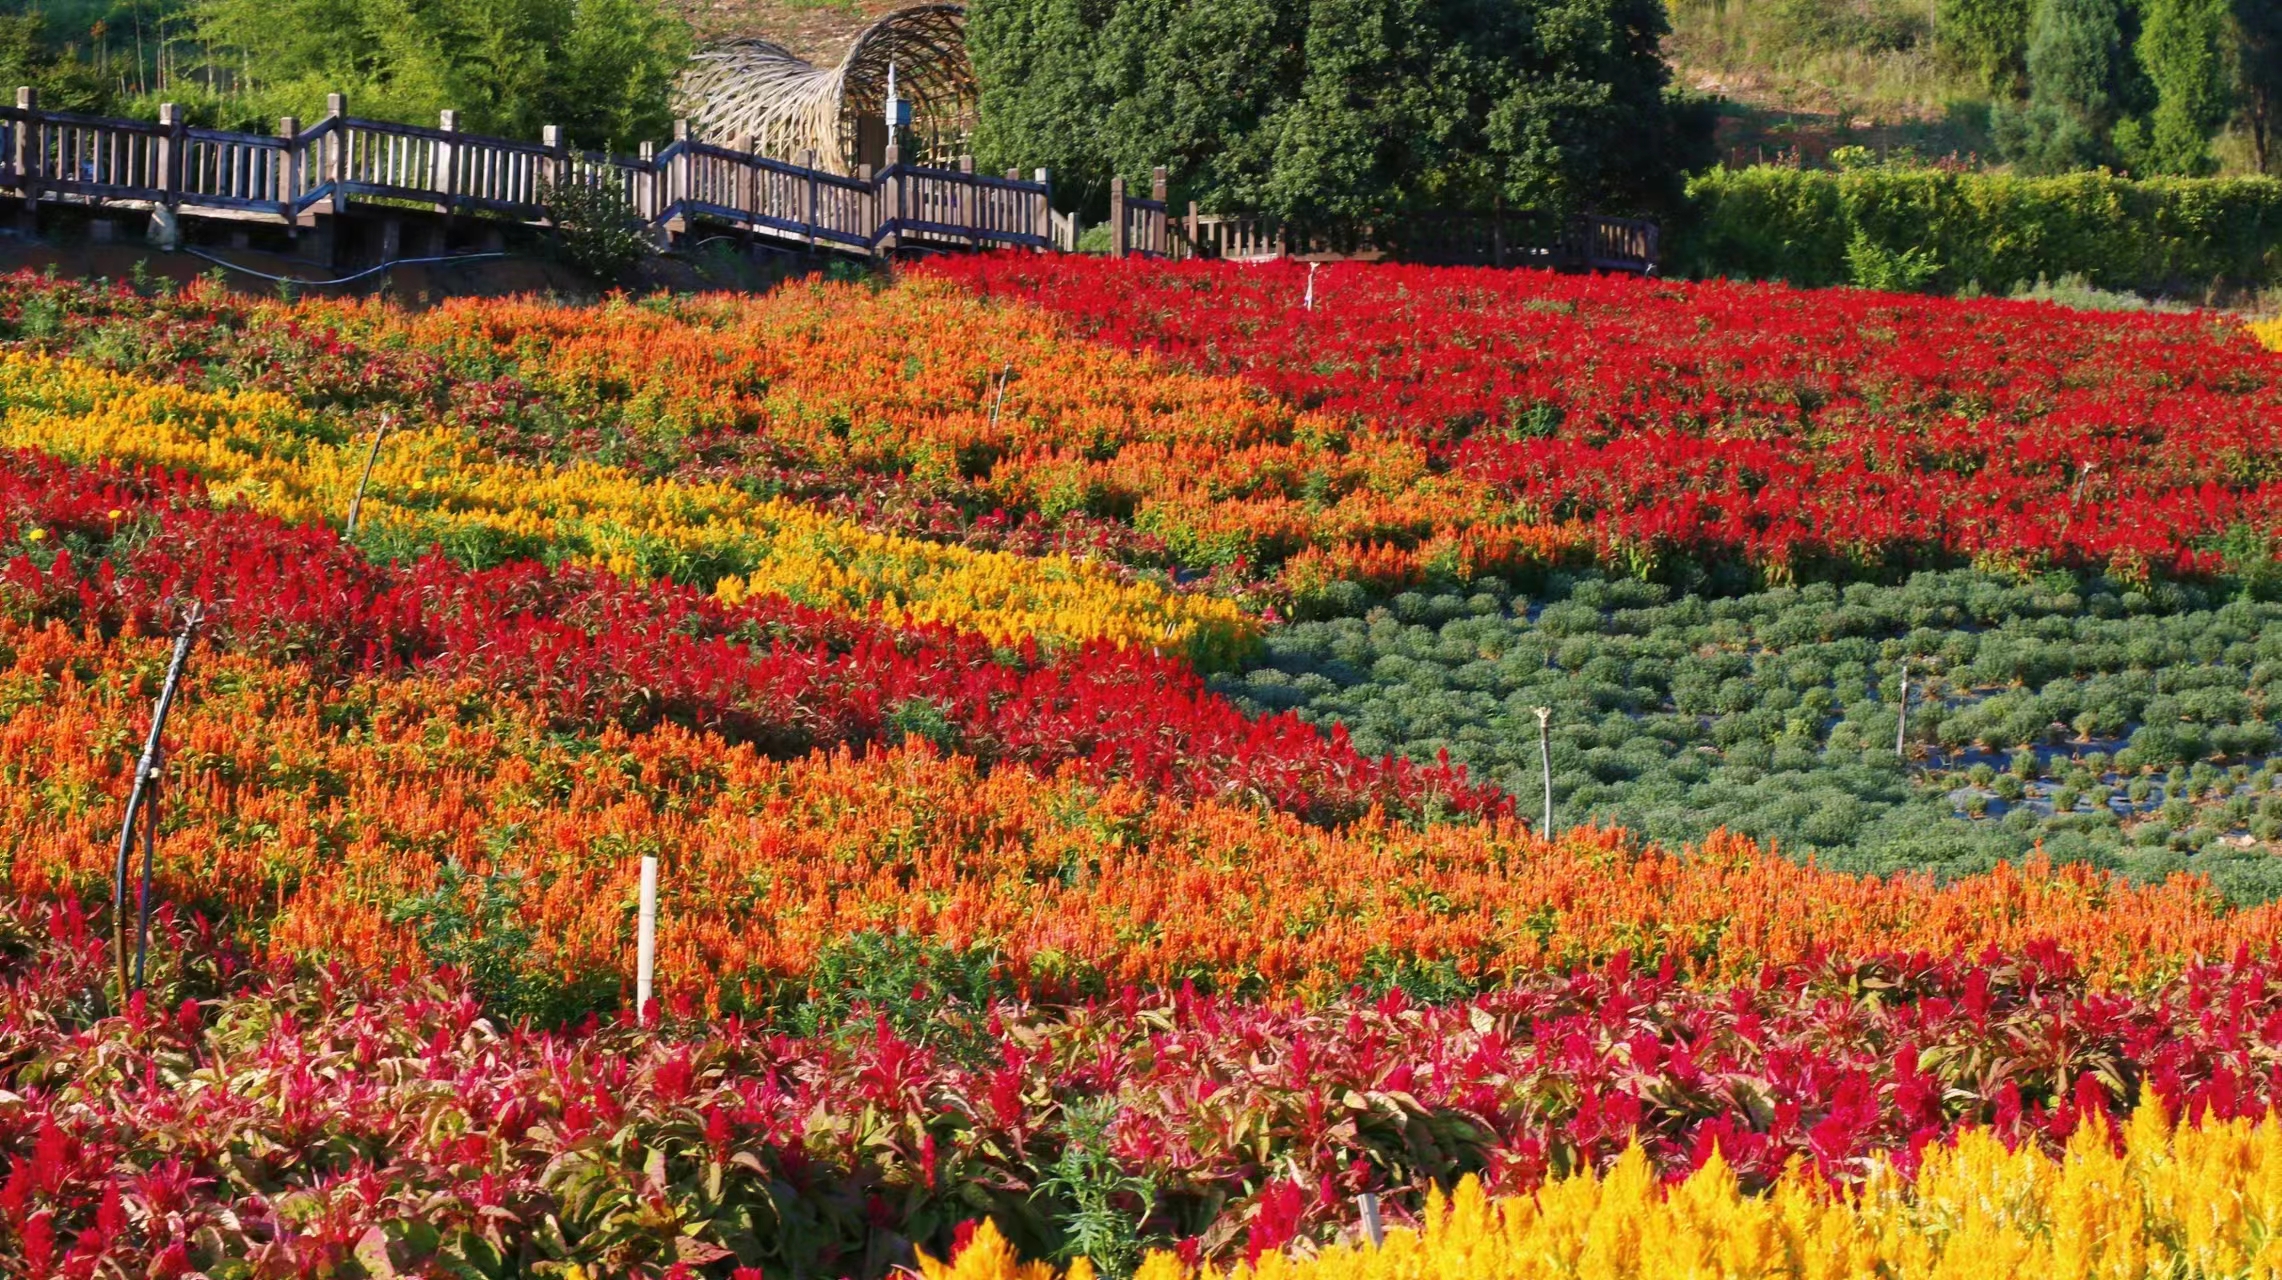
(319, 284)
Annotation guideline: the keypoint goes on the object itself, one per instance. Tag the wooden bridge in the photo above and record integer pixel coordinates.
(301, 178)
(343, 170)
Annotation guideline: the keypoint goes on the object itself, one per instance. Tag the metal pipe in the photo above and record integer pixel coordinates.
(146, 782)
(646, 940)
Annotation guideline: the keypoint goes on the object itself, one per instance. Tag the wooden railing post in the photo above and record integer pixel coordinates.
(890, 228)
(814, 192)
(646, 184)
(677, 176)
(557, 161)
(288, 167)
(1160, 215)
(441, 177)
(1045, 199)
(748, 194)
(1117, 244)
(1195, 227)
(337, 152)
(970, 191)
(170, 154)
(28, 156)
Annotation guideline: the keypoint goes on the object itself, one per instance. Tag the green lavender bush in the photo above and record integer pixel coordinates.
(1774, 713)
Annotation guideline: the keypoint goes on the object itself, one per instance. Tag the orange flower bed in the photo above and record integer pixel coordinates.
(844, 380)
(308, 814)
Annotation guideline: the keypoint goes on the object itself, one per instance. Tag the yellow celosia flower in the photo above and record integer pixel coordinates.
(989, 1257)
(436, 485)
(2202, 1201)
(2269, 332)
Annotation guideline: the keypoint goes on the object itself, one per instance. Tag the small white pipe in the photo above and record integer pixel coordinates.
(1373, 1230)
(646, 940)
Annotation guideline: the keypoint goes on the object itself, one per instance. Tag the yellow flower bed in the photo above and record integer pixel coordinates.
(2202, 1201)
(438, 485)
(2269, 332)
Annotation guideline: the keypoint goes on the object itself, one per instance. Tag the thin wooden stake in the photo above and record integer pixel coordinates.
(1311, 284)
(1374, 1230)
(142, 796)
(372, 455)
(646, 940)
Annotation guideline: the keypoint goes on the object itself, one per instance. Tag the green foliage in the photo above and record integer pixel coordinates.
(2076, 58)
(1872, 266)
(1339, 113)
(922, 718)
(921, 988)
(2184, 46)
(2249, 555)
(1858, 26)
(1105, 1202)
(1773, 713)
(2258, 77)
(2074, 290)
(602, 69)
(473, 924)
(2151, 236)
(597, 230)
(1988, 36)
(66, 81)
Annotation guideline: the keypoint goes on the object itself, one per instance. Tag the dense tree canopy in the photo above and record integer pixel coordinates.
(1336, 114)
(602, 69)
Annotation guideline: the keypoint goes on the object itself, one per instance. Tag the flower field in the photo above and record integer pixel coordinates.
(1086, 718)
(1790, 428)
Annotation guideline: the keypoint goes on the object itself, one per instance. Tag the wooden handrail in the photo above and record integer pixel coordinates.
(52, 156)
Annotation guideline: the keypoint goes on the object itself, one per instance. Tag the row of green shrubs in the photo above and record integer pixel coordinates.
(1965, 231)
(1774, 713)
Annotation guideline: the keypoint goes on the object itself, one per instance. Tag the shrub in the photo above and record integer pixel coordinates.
(597, 229)
(2143, 236)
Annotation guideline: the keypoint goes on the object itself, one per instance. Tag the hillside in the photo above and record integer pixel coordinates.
(1816, 76)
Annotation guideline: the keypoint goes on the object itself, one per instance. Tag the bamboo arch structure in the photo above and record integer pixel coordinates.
(758, 92)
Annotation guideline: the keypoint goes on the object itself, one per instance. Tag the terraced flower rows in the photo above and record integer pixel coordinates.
(898, 623)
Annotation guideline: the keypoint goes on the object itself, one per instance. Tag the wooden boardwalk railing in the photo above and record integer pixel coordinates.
(1140, 228)
(298, 174)
(1590, 242)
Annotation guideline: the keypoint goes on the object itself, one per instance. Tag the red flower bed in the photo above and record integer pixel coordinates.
(1720, 419)
(329, 1118)
(596, 648)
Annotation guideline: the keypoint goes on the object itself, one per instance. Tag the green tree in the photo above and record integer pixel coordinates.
(1340, 114)
(2258, 76)
(2075, 52)
(602, 69)
(1989, 36)
(2185, 47)
(66, 82)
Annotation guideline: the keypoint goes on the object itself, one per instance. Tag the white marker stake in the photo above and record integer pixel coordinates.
(1373, 1229)
(646, 940)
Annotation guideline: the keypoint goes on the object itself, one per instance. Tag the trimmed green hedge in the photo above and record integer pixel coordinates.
(2153, 235)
